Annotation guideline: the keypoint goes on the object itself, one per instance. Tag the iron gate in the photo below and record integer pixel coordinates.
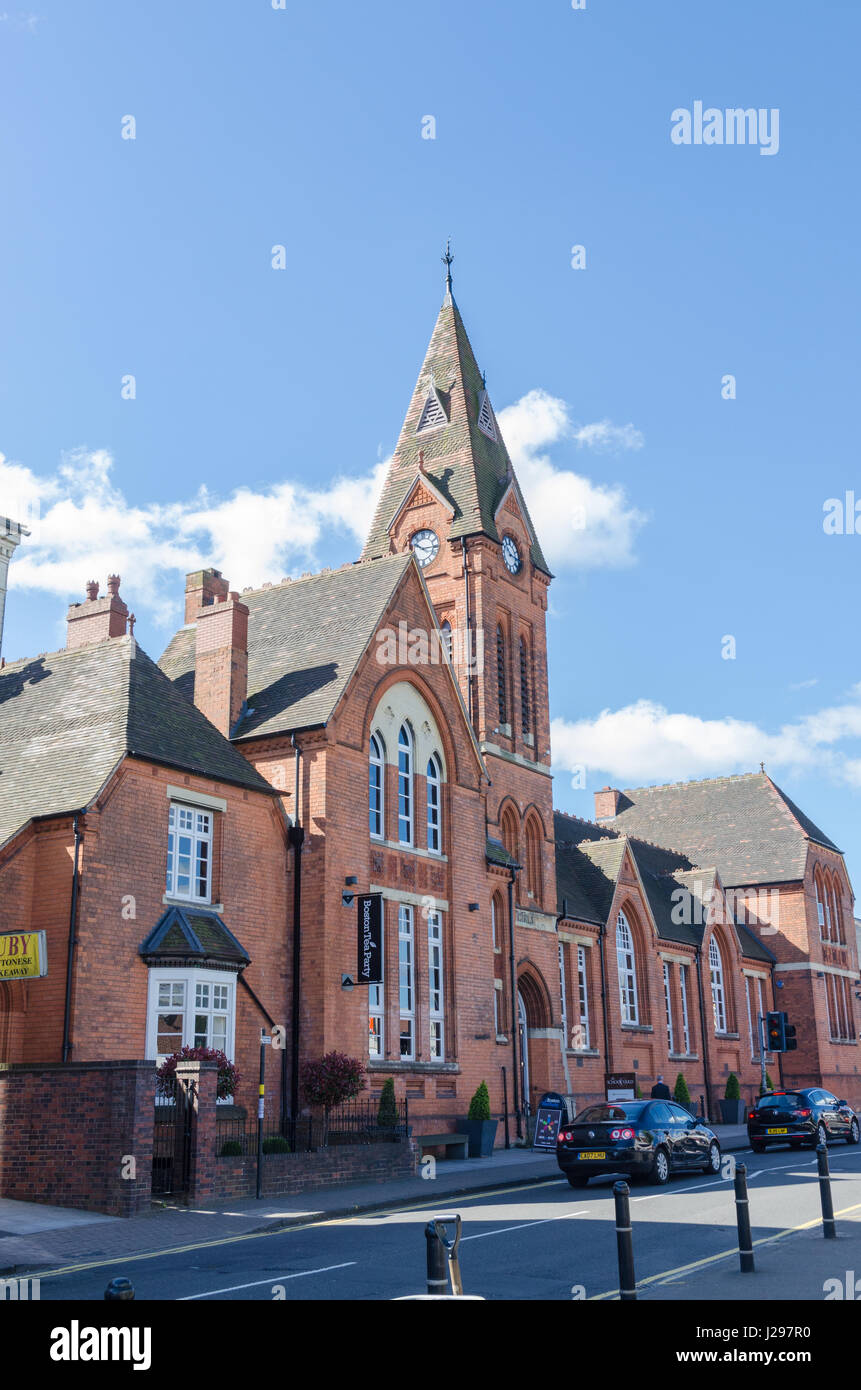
(172, 1138)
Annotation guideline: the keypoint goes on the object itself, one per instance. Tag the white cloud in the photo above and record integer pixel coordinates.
(606, 437)
(581, 524)
(645, 742)
(83, 527)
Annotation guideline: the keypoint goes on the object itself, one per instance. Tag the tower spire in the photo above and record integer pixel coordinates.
(447, 260)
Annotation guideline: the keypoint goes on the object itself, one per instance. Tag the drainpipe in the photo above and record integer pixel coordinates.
(706, 1071)
(602, 932)
(296, 837)
(70, 960)
(563, 1041)
(468, 628)
(515, 1015)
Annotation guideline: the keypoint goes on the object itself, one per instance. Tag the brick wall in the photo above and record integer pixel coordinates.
(78, 1135)
(289, 1173)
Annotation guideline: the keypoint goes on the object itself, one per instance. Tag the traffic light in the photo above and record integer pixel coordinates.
(780, 1033)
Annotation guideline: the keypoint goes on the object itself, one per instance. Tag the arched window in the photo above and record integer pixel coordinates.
(508, 827)
(376, 786)
(837, 912)
(826, 903)
(533, 860)
(525, 701)
(445, 631)
(496, 920)
(500, 676)
(718, 995)
(627, 970)
(405, 785)
(820, 905)
(434, 788)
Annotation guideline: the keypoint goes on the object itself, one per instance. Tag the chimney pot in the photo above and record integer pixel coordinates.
(92, 589)
(114, 585)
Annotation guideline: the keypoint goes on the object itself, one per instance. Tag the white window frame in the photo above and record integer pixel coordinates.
(200, 833)
(376, 1022)
(716, 975)
(190, 978)
(434, 804)
(686, 1025)
(669, 1006)
(582, 1000)
(627, 967)
(406, 807)
(820, 907)
(377, 767)
(406, 980)
(436, 987)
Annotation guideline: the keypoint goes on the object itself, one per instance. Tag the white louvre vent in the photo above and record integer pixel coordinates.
(486, 422)
(433, 413)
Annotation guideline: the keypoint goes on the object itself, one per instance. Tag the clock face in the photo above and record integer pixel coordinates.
(425, 545)
(511, 555)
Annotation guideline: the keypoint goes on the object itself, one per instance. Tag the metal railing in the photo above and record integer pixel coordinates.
(358, 1122)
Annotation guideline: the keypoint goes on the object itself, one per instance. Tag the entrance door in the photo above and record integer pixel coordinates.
(523, 1047)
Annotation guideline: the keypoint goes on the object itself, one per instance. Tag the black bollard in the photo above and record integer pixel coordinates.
(829, 1226)
(742, 1216)
(437, 1262)
(120, 1290)
(625, 1243)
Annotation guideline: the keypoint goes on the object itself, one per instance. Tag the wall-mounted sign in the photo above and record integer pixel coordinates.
(370, 939)
(23, 955)
(550, 1115)
(620, 1085)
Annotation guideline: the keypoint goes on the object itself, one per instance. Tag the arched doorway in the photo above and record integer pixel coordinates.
(523, 1052)
(533, 1023)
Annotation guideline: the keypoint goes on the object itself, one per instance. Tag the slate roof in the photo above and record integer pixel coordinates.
(745, 825)
(68, 718)
(305, 639)
(470, 470)
(496, 853)
(588, 861)
(192, 933)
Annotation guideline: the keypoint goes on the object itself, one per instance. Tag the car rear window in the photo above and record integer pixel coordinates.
(790, 1101)
(602, 1114)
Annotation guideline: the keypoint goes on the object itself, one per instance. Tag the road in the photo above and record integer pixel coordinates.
(546, 1241)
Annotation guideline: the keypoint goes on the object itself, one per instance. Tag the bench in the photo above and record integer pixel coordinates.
(459, 1142)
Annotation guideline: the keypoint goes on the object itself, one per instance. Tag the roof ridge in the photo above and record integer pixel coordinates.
(693, 782)
(20, 661)
(327, 571)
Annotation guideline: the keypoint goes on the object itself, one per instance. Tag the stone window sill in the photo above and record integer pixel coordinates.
(451, 1068)
(582, 1052)
(501, 1038)
(637, 1028)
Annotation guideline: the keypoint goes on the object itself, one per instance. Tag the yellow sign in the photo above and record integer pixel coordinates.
(23, 955)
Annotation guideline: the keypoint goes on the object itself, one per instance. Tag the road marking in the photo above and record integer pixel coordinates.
(566, 1215)
(667, 1275)
(287, 1230)
(279, 1279)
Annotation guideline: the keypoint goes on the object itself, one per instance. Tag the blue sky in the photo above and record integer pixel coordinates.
(280, 392)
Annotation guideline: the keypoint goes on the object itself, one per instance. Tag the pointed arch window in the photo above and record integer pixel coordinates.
(717, 982)
(826, 904)
(627, 964)
(445, 631)
(525, 700)
(533, 860)
(376, 786)
(836, 912)
(434, 790)
(500, 675)
(405, 785)
(820, 905)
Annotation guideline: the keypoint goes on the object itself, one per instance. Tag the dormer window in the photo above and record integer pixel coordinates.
(433, 414)
(486, 421)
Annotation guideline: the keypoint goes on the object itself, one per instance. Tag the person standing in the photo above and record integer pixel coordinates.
(660, 1091)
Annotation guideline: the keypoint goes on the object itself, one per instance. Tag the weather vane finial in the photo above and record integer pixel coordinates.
(447, 260)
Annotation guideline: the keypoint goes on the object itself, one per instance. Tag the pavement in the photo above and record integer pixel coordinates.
(34, 1236)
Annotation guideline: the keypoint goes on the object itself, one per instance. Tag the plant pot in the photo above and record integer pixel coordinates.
(731, 1112)
(482, 1135)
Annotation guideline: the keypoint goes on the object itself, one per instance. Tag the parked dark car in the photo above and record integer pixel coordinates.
(808, 1117)
(638, 1138)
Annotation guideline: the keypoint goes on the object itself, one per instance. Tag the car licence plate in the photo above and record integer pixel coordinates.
(777, 1131)
(602, 1154)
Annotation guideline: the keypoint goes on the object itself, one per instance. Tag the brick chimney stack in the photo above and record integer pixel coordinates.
(97, 619)
(202, 588)
(607, 803)
(221, 657)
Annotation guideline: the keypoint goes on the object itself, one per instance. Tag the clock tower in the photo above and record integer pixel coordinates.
(452, 496)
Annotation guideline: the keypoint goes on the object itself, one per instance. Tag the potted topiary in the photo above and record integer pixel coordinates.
(732, 1106)
(682, 1094)
(479, 1126)
(387, 1114)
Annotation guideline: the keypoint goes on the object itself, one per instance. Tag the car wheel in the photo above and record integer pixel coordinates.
(660, 1173)
(578, 1179)
(713, 1164)
(757, 1147)
(821, 1135)
(854, 1134)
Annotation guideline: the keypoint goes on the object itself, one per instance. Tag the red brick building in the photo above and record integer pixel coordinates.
(185, 833)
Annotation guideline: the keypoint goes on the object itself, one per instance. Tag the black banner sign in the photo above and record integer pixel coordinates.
(370, 939)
